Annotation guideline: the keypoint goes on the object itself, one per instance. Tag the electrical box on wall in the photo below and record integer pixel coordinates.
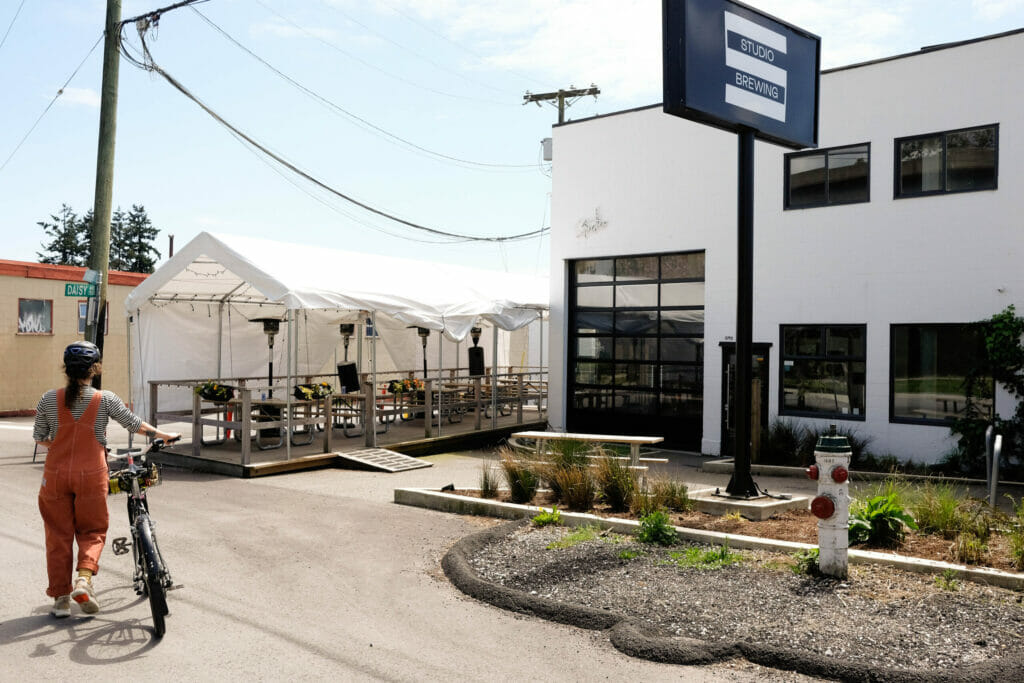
(546, 146)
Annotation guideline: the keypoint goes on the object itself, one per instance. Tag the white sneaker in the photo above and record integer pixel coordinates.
(61, 607)
(84, 596)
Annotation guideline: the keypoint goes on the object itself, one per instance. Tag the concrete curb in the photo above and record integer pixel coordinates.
(630, 638)
(466, 505)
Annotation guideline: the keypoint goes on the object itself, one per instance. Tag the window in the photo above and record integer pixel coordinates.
(83, 313)
(823, 370)
(929, 368)
(637, 344)
(839, 175)
(35, 316)
(955, 161)
(368, 329)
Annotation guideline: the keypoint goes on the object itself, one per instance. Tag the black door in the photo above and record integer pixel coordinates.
(758, 396)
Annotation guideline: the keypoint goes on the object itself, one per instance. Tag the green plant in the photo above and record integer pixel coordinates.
(968, 548)
(629, 554)
(935, 509)
(656, 529)
(733, 516)
(521, 479)
(781, 444)
(616, 481)
(544, 518)
(698, 558)
(1015, 534)
(581, 534)
(488, 481)
(879, 521)
(562, 454)
(579, 491)
(948, 581)
(807, 562)
(670, 494)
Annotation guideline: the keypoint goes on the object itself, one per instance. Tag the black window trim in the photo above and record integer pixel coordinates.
(927, 422)
(786, 206)
(896, 190)
(783, 411)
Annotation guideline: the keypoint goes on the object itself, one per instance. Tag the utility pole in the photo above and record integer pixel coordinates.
(99, 243)
(565, 98)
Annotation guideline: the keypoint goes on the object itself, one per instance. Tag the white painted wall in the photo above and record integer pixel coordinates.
(664, 184)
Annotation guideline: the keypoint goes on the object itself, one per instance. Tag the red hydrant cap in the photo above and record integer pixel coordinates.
(812, 472)
(823, 507)
(840, 474)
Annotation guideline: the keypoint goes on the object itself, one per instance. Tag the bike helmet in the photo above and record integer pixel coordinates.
(81, 354)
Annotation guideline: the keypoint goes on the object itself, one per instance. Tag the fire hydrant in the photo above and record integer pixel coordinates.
(832, 505)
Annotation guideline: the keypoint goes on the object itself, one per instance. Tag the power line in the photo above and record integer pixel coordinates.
(11, 25)
(374, 66)
(345, 112)
(59, 93)
(148, 63)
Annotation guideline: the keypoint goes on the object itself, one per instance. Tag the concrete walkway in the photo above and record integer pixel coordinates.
(315, 575)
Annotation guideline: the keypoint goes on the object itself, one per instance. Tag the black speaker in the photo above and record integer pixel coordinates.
(476, 361)
(348, 377)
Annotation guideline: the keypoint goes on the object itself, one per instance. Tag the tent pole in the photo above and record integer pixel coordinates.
(440, 362)
(540, 368)
(287, 393)
(220, 339)
(359, 341)
(372, 393)
(494, 376)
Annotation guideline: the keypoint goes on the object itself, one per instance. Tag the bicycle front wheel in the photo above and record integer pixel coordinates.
(153, 574)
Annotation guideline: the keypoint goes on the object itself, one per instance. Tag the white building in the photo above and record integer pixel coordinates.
(870, 253)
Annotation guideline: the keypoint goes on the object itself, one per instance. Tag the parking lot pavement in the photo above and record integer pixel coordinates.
(315, 575)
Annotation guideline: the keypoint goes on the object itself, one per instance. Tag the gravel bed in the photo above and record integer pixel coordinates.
(882, 617)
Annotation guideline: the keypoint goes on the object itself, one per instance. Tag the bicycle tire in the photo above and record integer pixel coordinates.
(153, 575)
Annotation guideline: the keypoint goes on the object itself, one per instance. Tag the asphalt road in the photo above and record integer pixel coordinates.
(316, 575)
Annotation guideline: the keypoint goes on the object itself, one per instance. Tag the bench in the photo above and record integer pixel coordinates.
(634, 442)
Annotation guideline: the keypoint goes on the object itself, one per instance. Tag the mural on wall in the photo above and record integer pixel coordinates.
(35, 316)
(585, 227)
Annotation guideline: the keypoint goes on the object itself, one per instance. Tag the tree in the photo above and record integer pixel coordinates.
(131, 238)
(69, 238)
(138, 255)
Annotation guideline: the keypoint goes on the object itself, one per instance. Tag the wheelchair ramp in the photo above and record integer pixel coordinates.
(383, 459)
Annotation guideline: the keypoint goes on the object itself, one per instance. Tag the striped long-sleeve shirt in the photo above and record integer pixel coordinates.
(110, 407)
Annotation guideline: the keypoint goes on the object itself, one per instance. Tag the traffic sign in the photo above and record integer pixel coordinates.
(733, 67)
(79, 289)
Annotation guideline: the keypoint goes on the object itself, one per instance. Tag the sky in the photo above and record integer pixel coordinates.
(412, 107)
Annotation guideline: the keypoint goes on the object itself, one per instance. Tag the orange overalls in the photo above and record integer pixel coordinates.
(73, 496)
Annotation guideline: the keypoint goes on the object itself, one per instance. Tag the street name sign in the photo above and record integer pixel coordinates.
(79, 289)
(733, 67)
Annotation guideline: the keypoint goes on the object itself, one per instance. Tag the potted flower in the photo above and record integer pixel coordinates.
(211, 390)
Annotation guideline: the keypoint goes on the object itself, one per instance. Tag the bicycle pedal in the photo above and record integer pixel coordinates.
(120, 545)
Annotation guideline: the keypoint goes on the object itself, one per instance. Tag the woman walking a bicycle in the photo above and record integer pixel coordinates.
(71, 423)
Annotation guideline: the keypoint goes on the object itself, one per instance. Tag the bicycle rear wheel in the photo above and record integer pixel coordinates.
(153, 574)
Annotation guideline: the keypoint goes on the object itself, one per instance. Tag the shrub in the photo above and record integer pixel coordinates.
(670, 494)
(562, 454)
(1015, 535)
(936, 509)
(969, 549)
(656, 529)
(879, 521)
(617, 482)
(781, 444)
(521, 479)
(488, 481)
(544, 518)
(948, 581)
(579, 491)
(807, 562)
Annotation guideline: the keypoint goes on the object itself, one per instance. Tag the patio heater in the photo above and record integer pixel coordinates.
(347, 330)
(476, 354)
(424, 333)
(271, 326)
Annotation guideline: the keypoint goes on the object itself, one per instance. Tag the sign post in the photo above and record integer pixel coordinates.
(730, 66)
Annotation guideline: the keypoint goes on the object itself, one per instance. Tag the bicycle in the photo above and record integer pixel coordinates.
(151, 578)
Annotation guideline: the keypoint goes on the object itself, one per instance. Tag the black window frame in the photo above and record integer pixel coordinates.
(827, 151)
(824, 357)
(898, 193)
(607, 394)
(931, 422)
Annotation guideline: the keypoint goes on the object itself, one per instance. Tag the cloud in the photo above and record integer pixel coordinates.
(990, 10)
(280, 29)
(85, 97)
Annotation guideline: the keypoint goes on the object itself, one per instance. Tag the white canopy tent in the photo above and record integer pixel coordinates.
(191, 318)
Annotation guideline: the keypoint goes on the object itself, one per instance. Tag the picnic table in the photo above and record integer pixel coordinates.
(634, 442)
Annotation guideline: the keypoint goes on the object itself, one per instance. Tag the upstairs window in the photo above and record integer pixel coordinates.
(954, 161)
(839, 175)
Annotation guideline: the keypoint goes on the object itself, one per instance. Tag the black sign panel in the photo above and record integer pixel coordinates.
(733, 67)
